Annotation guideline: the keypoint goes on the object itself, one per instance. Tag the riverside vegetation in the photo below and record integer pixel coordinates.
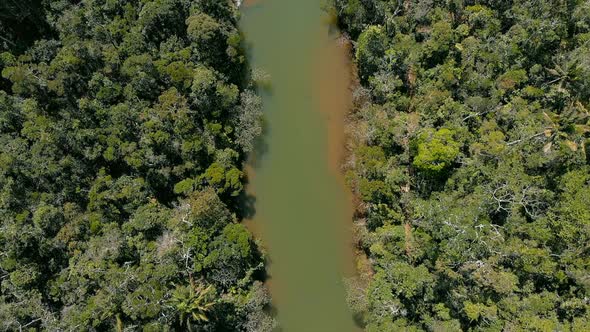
(124, 126)
(123, 129)
(472, 163)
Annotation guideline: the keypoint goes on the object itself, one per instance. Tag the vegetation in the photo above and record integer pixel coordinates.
(473, 164)
(123, 128)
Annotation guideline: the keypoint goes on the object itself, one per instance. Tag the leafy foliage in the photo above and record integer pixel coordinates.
(123, 129)
(472, 163)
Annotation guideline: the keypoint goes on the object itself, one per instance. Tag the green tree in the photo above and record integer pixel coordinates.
(193, 302)
(370, 50)
(436, 151)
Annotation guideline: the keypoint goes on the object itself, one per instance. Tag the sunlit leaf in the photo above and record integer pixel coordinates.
(548, 118)
(571, 145)
(548, 132)
(547, 147)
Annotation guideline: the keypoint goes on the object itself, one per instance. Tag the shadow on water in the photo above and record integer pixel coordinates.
(261, 82)
(246, 205)
(247, 200)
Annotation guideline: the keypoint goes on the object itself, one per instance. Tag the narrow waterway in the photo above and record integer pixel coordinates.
(303, 211)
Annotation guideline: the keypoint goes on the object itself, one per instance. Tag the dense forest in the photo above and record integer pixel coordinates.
(123, 129)
(124, 126)
(472, 163)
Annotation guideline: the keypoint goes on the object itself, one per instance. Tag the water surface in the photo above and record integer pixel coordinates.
(303, 211)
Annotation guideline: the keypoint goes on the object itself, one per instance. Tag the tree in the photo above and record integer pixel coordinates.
(193, 302)
(124, 126)
(436, 151)
(470, 163)
(371, 47)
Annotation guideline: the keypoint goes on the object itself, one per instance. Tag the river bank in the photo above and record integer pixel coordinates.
(354, 135)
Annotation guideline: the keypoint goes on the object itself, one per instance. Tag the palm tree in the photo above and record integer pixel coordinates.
(193, 302)
(567, 127)
(571, 72)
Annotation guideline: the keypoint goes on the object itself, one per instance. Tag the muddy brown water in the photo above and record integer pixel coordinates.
(303, 209)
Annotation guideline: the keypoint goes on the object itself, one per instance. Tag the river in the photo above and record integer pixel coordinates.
(303, 209)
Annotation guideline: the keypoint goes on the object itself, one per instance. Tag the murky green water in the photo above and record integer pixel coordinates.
(302, 208)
